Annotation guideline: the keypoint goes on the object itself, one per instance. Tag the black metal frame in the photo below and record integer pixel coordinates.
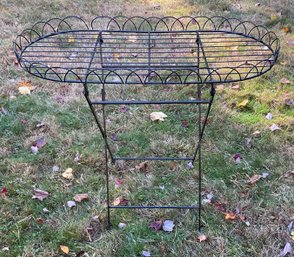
(148, 51)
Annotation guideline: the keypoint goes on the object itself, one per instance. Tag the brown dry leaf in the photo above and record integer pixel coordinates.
(68, 174)
(81, 197)
(154, 116)
(64, 249)
(142, 166)
(286, 29)
(292, 235)
(252, 180)
(40, 142)
(70, 39)
(24, 90)
(27, 84)
(256, 133)
(25, 87)
(39, 194)
(274, 127)
(236, 87)
(116, 56)
(40, 220)
(156, 225)
(285, 81)
(202, 238)
(116, 201)
(243, 103)
(230, 216)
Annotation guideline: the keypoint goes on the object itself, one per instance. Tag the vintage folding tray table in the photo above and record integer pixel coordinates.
(121, 52)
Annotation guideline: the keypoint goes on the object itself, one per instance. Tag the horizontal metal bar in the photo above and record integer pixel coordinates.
(130, 47)
(152, 102)
(77, 36)
(152, 207)
(134, 52)
(153, 158)
(118, 41)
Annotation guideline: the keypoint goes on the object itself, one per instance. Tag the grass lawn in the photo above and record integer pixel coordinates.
(242, 218)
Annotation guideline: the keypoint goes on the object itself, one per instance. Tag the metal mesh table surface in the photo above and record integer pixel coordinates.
(190, 50)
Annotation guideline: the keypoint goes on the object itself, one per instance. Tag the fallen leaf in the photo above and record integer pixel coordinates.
(185, 124)
(202, 238)
(286, 29)
(55, 168)
(5, 249)
(71, 204)
(68, 174)
(120, 201)
(287, 249)
(154, 116)
(230, 216)
(116, 56)
(143, 166)
(124, 202)
(123, 108)
(168, 225)
(39, 194)
(274, 127)
(292, 235)
(273, 17)
(237, 157)
(256, 133)
(64, 249)
(285, 81)
(190, 165)
(77, 157)
(269, 116)
(41, 142)
(146, 253)
(114, 137)
(81, 197)
(34, 149)
(118, 182)
(122, 225)
(24, 90)
(243, 103)
(288, 101)
(45, 210)
(25, 87)
(40, 125)
(70, 39)
(156, 225)
(3, 192)
(221, 207)
(40, 220)
(236, 87)
(252, 180)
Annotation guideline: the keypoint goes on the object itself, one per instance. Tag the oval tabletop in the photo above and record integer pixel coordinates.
(120, 50)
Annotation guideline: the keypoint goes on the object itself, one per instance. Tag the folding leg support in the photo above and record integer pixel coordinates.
(109, 155)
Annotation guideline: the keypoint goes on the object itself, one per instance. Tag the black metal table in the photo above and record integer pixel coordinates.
(121, 51)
